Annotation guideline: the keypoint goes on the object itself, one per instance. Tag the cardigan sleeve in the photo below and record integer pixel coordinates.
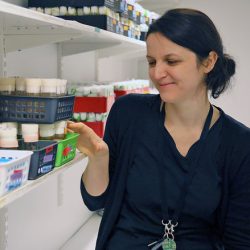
(94, 203)
(237, 221)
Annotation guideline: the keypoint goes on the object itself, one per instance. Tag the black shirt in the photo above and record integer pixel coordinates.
(133, 116)
(139, 222)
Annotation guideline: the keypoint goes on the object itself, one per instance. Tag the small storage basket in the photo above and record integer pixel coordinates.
(43, 157)
(66, 149)
(29, 109)
(14, 169)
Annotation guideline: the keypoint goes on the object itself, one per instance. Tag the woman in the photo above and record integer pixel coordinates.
(173, 170)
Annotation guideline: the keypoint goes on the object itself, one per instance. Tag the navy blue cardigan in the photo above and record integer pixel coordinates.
(233, 214)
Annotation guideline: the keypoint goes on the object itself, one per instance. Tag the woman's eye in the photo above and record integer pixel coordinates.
(151, 63)
(172, 62)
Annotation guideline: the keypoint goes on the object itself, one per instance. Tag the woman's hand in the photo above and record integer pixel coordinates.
(88, 142)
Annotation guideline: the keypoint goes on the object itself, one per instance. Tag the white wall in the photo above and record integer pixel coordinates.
(232, 20)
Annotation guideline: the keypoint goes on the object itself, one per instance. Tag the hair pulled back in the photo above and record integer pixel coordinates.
(195, 31)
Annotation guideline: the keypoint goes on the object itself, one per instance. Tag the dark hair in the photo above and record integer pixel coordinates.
(195, 31)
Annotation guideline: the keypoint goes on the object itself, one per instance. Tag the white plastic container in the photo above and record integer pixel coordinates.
(49, 87)
(14, 169)
(33, 86)
(7, 85)
(30, 132)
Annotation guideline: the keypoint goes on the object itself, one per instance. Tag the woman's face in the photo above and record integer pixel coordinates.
(174, 70)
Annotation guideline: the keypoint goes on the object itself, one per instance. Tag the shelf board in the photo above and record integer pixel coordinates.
(97, 39)
(32, 184)
(24, 28)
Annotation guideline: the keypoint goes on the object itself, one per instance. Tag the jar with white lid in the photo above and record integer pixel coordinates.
(7, 85)
(20, 86)
(33, 86)
(8, 138)
(30, 132)
(60, 127)
(49, 87)
(46, 131)
(61, 87)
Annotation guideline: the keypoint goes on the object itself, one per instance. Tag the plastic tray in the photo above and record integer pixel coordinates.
(43, 157)
(14, 169)
(35, 109)
(93, 104)
(66, 149)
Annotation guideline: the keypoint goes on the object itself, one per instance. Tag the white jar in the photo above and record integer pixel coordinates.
(30, 132)
(20, 86)
(33, 86)
(60, 128)
(46, 131)
(7, 85)
(63, 10)
(8, 138)
(61, 87)
(49, 87)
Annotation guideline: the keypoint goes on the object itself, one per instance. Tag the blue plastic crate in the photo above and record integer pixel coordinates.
(30, 109)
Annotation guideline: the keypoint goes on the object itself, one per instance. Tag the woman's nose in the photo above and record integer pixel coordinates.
(160, 71)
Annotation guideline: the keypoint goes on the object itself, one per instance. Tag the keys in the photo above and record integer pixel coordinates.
(164, 244)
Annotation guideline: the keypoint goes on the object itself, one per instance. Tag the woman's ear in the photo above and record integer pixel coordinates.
(210, 61)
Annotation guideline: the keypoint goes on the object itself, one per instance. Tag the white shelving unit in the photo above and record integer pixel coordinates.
(21, 28)
(30, 185)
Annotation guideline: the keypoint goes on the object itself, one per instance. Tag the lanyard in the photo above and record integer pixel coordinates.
(170, 221)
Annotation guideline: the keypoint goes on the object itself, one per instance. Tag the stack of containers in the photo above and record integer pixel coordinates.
(132, 86)
(28, 104)
(92, 104)
(119, 16)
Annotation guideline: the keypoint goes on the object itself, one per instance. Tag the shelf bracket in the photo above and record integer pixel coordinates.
(4, 228)
(3, 61)
(59, 60)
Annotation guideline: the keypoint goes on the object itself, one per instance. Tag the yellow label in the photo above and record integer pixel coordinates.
(130, 7)
(125, 27)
